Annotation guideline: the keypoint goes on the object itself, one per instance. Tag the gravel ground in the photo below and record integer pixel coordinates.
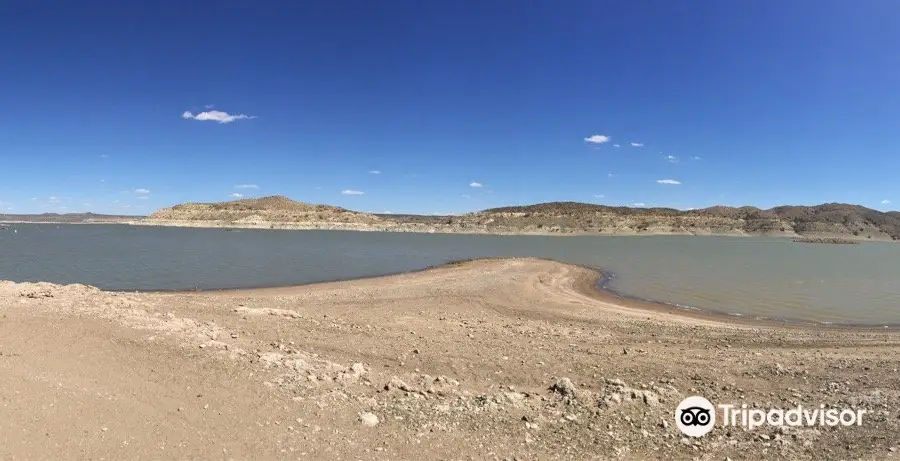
(488, 359)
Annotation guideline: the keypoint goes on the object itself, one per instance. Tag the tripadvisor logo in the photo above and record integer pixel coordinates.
(695, 416)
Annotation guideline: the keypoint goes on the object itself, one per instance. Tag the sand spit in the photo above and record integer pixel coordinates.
(487, 359)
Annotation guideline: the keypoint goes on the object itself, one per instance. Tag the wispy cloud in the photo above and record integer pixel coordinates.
(143, 197)
(597, 139)
(637, 144)
(53, 199)
(215, 116)
(668, 181)
(695, 158)
(374, 172)
(352, 192)
(599, 196)
(475, 184)
(246, 186)
(466, 196)
(104, 155)
(141, 191)
(640, 204)
(885, 202)
(236, 195)
(616, 146)
(671, 159)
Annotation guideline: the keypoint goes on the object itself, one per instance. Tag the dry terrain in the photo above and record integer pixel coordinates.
(489, 359)
(828, 221)
(67, 218)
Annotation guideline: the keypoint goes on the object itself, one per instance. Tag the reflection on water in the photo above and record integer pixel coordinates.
(748, 276)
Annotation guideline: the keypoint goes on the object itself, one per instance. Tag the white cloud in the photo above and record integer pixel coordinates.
(246, 186)
(143, 197)
(885, 202)
(616, 146)
(599, 196)
(597, 139)
(671, 159)
(52, 199)
(466, 196)
(695, 158)
(104, 155)
(141, 191)
(374, 172)
(215, 116)
(609, 175)
(640, 204)
(637, 144)
(116, 201)
(475, 184)
(236, 195)
(668, 181)
(352, 192)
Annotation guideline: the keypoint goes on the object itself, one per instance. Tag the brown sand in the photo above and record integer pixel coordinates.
(455, 362)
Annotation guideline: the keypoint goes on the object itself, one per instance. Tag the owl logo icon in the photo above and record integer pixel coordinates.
(695, 416)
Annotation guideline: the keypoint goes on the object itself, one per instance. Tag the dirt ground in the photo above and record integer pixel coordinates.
(489, 359)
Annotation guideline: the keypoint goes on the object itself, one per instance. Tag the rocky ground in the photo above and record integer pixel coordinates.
(491, 359)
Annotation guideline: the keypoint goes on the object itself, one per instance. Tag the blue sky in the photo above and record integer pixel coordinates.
(125, 107)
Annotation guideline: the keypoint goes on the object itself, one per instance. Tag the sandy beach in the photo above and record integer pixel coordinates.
(488, 359)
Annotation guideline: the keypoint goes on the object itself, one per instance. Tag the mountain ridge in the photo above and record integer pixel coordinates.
(825, 220)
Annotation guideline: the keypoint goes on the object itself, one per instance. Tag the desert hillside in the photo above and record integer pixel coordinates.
(261, 211)
(831, 220)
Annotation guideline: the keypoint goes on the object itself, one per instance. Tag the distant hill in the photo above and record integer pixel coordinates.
(832, 220)
(66, 218)
(257, 211)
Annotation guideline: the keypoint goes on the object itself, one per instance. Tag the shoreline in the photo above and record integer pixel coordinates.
(599, 289)
(418, 228)
(519, 357)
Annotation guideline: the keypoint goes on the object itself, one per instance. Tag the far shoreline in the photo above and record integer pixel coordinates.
(411, 228)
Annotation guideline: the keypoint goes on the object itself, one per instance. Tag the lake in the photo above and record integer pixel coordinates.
(754, 277)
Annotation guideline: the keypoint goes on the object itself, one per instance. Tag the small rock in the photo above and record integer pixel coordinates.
(564, 387)
(368, 419)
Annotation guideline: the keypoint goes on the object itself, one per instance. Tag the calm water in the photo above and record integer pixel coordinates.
(746, 276)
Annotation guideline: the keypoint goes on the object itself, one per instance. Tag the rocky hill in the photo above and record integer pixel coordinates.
(829, 220)
(832, 220)
(260, 212)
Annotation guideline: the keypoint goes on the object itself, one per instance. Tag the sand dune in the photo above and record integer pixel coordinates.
(478, 360)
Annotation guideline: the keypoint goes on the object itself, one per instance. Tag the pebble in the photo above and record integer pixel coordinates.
(368, 419)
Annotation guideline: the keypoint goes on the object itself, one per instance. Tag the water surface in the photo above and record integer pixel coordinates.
(754, 277)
